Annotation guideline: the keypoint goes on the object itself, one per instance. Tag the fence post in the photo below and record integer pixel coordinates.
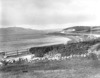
(5, 55)
(27, 51)
(17, 52)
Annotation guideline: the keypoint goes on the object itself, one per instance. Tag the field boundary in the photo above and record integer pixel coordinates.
(15, 52)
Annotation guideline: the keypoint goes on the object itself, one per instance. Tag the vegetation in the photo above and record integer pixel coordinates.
(65, 49)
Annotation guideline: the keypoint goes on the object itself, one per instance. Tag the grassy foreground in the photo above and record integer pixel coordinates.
(70, 68)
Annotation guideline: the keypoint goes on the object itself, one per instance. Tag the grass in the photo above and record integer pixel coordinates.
(70, 68)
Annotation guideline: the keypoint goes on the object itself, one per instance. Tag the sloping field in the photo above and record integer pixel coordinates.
(72, 68)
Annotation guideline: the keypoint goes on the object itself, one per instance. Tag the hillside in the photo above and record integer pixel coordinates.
(96, 29)
(73, 31)
(17, 30)
(78, 29)
(83, 29)
(17, 33)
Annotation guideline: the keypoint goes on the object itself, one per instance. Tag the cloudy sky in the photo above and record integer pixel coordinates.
(49, 14)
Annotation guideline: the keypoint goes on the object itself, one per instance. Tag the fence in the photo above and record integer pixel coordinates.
(15, 52)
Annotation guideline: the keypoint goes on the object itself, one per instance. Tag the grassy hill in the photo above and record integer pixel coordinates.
(71, 31)
(84, 29)
(17, 33)
(79, 29)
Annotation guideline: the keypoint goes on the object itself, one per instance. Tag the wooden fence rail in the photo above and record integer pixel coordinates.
(15, 52)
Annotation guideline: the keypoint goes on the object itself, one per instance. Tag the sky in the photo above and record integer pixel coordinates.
(49, 14)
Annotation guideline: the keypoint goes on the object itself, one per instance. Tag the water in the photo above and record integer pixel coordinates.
(27, 43)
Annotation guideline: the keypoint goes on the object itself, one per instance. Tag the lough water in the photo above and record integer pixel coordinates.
(27, 43)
